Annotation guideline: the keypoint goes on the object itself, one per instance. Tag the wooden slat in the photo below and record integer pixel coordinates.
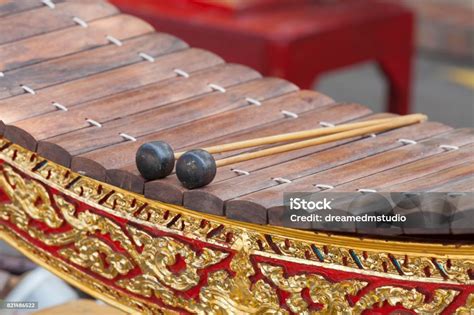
(171, 115)
(29, 131)
(86, 63)
(443, 177)
(44, 20)
(213, 197)
(171, 190)
(120, 156)
(103, 84)
(356, 171)
(461, 220)
(435, 216)
(8, 7)
(397, 176)
(462, 185)
(70, 40)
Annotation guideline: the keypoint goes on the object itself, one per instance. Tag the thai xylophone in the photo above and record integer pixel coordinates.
(83, 87)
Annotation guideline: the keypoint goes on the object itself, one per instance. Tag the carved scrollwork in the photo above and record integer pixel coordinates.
(468, 308)
(29, 200)
(331, 295)
(88, 253)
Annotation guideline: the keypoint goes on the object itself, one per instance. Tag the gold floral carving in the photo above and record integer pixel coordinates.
(333, 295)
(468, 308)
(237, 293)
(29, 200)
(152, 256)
(88, 255)
(410, 299)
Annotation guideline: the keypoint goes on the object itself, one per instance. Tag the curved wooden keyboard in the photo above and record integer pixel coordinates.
(86, 90)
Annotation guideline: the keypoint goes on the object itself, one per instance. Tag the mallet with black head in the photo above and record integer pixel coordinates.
(156, 159)
(197, 168)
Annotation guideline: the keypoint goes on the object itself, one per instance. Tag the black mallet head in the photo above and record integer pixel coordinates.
(196, 168)
(155, 160)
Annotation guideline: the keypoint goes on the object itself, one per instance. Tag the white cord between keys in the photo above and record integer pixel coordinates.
(94, 123)
(114, 40)
(128, 137)
(326, 124)
(240, 172)
(216, 87)
(365, 190)
(80, 22)
(407, 141)
(281, 180)
(289, 114)
(49, 3)
(448, 147)
(147, 57)
(60, 107)
(28, 89)
(323, 186)
(253, 101)
(181, 73)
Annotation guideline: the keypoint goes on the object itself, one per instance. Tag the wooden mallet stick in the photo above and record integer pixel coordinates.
(197, 168)
(156, 159)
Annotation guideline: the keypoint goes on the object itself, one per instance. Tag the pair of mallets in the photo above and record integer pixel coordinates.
(197, 168)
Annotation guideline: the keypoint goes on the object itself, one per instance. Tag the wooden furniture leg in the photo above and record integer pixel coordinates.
(397, 70)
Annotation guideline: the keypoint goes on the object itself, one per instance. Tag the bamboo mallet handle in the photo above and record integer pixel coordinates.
(392, 124)
(284, 137)
(156, 159)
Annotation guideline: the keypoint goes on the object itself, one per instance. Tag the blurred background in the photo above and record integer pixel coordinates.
(443, 73)
(401, 56)
(412, 55)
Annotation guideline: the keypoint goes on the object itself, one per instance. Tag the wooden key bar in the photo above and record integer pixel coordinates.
(100, 32)
(437, 179)
(86, 63)
(214, 196)
(9, 7)
(104, 84)
(167, 116)
(463, 216)
(462, 185)
(44, 20)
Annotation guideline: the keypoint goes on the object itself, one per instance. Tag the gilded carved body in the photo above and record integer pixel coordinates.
(148, 257)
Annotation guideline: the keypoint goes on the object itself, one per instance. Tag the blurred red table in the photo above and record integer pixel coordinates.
(294, 39)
